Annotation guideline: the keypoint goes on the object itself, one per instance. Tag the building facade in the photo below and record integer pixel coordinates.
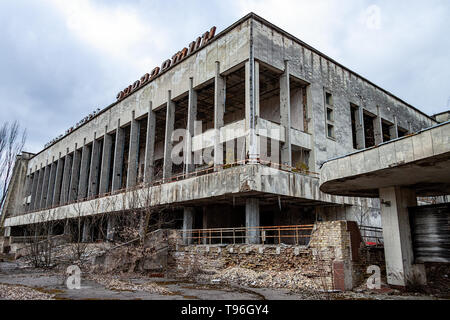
(230, 132)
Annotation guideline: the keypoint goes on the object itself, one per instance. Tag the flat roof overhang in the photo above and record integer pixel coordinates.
(420, 161)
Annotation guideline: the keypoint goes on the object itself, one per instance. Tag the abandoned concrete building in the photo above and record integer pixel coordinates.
(260, 112)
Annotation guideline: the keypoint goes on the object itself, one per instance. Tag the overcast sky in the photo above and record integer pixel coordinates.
(60, 60)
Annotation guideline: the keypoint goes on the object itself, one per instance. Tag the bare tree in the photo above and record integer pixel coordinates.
(11, 144)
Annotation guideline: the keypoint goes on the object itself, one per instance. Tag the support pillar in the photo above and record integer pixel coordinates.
(192, 117)
(170, 123)
(378, 128)
(75, 176)
(133, 154)
(118, 158)
(360, 141)
(110, 228)
(87, 231)
(205, 222)
(94, 167)
(66, 178)
(106, 163)
(219, 111)
(393, 131)
(58, 181)
(252, 220)
(84, 172)
(285, 115)
(44, 189)
(251, 145)
(150, 145)
(34, 189)
(397, 236)
(188, 224)
(51, 184)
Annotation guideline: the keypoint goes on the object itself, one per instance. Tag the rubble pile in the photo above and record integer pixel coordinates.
(15, 292)
(293, 280)
(114, 283)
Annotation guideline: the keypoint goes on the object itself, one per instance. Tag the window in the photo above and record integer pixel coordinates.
(402, 132)
(369, 130)
(329, 115)
(386, 130)
(354, 118)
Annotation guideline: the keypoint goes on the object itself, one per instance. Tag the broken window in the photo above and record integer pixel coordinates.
(402, 132)
(329, 112)
(354, 118)
(386, 130)
(369, 130)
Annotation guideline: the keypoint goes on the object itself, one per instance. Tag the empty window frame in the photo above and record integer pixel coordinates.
(386, 130)
(354, 114)
(369, 129)
(402, 132)
(329, 115)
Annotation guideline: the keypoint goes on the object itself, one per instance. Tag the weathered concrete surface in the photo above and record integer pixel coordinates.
(421, 161)
(241, 179)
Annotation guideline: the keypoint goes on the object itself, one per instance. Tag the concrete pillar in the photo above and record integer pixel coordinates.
(87, 230)
(26, 192)
(285, 115)
(34, 189)
(150, 145)
(44, 189)
(393, 130)
(170, 123)
(58, 181)
(94, 167)
(51, 184)
(188, 224)
(378, 128)
(205, 222)
(251, 145)
(84, 171)
(252, 220)
(106, 163)
(133, 154)
(111, 225)
(192, 117)
(75, 176)
(118, 158)
(359, 121)
(397, 236)
(66, 178)
(219, 111)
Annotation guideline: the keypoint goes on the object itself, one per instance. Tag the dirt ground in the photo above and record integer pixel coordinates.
(18, 282)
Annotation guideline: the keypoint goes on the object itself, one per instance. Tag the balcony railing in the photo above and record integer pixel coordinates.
(294, 235)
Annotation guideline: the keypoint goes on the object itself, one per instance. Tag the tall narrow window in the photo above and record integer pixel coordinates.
(354, 118)
(369, 130)
(329, 115)
(386, 130)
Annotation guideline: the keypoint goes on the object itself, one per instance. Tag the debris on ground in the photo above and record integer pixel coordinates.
(117, 284)
(16, 292)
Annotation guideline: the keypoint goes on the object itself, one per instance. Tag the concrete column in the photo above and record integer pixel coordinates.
(133, 154)
(118, 158)
(251, 145)
(378, 128)
(58, 181)
(34, 189)
(75, 176)
(219, 111)
(192, 117)
(94, 167)
(106, 163)
(26, 191)
(44, 189)
(51, 184)
(170, 123)
(359, 119)
(84, 172)
(87, 230)
(205, 222)
(285, 115)
(397, 236)
(150, 145)
(188, 224)
(110, 232)
(252, 220)
(66, 178)
(393, 131)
